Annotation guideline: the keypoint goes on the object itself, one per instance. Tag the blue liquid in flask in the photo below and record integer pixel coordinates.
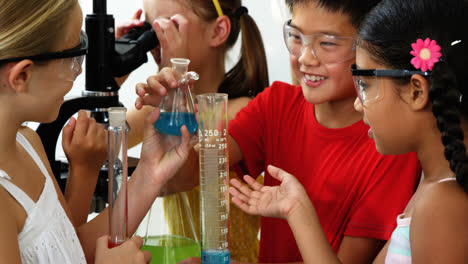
(169, 123)
(212, 256)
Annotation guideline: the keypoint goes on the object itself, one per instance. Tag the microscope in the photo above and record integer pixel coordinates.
(106, 59)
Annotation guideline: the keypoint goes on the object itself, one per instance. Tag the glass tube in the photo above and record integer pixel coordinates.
(117, 169)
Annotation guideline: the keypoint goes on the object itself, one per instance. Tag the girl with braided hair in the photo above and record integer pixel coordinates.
(414, 95)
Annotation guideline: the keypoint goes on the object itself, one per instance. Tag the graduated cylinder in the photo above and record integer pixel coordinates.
(214, 178)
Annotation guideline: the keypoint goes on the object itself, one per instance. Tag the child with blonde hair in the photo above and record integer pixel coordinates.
(42, 48)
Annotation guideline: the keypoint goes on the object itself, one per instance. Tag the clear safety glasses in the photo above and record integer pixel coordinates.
(328, 49)
(366, 81)
(71, 59)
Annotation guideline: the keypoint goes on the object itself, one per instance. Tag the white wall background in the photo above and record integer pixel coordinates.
(269, 15)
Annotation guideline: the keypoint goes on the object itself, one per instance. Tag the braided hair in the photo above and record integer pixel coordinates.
(387, 33)
(446, 95)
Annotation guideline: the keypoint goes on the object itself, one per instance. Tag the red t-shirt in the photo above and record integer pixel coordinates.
(355, 190)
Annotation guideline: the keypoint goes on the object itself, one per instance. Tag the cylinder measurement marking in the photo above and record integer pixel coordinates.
(213, 171)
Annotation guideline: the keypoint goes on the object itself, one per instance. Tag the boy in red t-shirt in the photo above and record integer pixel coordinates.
(313, 132)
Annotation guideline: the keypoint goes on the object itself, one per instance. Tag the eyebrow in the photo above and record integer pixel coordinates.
(331, 33)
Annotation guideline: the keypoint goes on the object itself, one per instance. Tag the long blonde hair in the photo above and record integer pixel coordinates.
(31, 27)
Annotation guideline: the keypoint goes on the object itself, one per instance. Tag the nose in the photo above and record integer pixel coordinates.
(358, 105)
(308, 57)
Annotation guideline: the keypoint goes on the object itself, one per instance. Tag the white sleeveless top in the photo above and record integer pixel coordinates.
(399, 249)
(48, 236)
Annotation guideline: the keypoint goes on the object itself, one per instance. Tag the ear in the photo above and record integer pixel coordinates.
(19, 75)
(220, 31)
(417, 95)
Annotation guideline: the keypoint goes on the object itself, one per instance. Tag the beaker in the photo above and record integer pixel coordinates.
(214, 177)
(117, 171)
(177, 107)
(167, 239)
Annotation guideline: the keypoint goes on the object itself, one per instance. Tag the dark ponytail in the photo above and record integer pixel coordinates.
(250, 74)
(387, 33)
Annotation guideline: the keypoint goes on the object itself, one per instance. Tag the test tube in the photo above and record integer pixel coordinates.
(214, 169)
(117, 169)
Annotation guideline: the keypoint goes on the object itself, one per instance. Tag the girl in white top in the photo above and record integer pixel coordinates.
(47, 234)
(41, 51)
(412, 86)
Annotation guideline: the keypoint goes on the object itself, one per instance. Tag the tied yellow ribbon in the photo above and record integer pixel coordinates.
(218, 8)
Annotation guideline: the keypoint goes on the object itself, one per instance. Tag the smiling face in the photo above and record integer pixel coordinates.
(47, 87)
(322, 82)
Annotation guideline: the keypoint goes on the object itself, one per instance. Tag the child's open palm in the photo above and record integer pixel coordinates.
(270, 201)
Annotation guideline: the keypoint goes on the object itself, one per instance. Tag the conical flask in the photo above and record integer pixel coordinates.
(170, 237)
(177, 107)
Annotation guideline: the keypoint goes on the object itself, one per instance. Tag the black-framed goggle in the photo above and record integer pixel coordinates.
(366, 81)
(80, 50)
(385, 72)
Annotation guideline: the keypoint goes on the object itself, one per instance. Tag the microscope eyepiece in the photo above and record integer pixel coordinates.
(131, 49)
(148, 40)
(144, 35)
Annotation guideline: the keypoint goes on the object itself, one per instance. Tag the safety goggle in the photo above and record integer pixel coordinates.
(72, 59)
(366, 81)
(327, 49)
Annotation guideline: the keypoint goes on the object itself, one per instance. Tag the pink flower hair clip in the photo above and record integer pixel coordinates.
(426, 53)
